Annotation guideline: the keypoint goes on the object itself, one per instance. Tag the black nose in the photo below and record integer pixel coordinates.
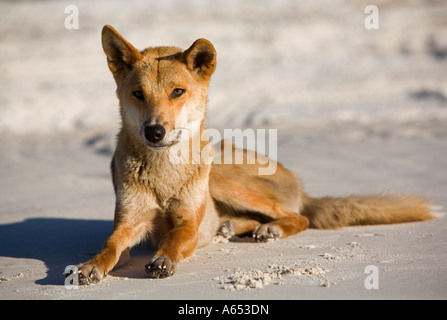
(154, 133)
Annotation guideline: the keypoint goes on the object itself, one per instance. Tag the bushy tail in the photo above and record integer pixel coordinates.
(332, 213)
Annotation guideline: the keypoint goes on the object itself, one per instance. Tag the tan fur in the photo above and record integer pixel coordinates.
(182, 206)
(332, 213)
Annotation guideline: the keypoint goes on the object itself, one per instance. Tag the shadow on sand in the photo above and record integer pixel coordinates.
(55, 241)
(59, 242)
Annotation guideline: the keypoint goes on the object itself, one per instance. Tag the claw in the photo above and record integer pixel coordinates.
(160, 267)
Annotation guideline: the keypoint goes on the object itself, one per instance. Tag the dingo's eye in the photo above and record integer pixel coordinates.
(138, 94)
(177, 92)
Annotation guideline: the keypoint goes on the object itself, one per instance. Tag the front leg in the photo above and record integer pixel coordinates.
(129, 229)
(179, 242)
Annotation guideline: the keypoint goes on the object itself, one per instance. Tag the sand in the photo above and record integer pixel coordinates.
(57, 209)
(356, 111)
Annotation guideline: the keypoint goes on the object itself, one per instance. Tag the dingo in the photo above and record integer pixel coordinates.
(163, 101)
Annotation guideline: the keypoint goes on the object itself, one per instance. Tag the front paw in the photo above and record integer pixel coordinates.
(160, 267)
(89, 274)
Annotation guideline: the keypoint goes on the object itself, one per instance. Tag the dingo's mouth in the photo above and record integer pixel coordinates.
(159, 147)
(162, 144)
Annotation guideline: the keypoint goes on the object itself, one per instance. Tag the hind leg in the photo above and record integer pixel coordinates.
(269, 203)
(283, 223)
(281, 228)
(237, 226)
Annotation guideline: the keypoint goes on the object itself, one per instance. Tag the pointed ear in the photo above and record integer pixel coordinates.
(201, 58)
(121, 55)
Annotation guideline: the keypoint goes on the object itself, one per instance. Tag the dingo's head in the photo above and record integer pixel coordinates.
(162, 90)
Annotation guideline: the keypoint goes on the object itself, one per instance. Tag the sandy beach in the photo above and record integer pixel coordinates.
(355, 111)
